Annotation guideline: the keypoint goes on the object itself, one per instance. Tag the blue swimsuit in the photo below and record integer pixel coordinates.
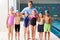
(26, 21)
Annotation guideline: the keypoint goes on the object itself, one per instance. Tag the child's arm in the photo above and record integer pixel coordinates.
(51, 22)
(14, 14)
(37, 17)
(43, 16)
(21, 16)
(7, 21)
(30, 16)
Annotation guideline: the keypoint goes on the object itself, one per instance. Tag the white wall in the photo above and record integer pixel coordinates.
(3, 13)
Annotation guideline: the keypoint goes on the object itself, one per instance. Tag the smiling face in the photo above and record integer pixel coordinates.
(11, 10)
(46, 14)
(30, 4)
(33, 12)
(40, 15)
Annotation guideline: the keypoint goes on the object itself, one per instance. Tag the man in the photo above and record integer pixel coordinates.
(29, 11)
(47, 25)
(29, 8)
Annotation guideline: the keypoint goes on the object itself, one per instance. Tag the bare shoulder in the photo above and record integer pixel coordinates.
(50, 17)
(44, 16)
(14, 13)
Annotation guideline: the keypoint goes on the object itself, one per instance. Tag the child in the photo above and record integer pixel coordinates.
(17, 25)
(26, 24)
(33, 23)
(47, 25)
(40, 26)
(10, 23)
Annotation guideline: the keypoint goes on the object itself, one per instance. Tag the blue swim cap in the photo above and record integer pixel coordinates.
(47, 11)
(17, 10)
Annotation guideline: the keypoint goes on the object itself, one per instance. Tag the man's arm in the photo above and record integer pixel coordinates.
(23, 11)
(21, 15)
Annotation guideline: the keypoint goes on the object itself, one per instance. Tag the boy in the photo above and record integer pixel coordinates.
(47, 25)
(17, 25)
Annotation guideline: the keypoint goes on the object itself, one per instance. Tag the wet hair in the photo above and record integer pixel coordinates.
(30, 2)
(41, 13)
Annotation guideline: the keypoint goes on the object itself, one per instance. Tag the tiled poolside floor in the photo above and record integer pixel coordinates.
(4, 34)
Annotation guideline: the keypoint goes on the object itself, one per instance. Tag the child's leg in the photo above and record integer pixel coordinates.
(41, 35)
(9, 31)
(24, 33)
(34, 31)
(18, 35)
(15, 35)
(45, 35)
(48, 35)
(28, 34)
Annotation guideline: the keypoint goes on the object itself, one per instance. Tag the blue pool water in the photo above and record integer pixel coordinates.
(56, 28)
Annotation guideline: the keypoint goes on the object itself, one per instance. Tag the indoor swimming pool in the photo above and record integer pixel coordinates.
(56, 28)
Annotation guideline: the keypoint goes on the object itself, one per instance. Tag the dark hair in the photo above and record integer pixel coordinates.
(34, 11)
(30, 2)
(42, 15)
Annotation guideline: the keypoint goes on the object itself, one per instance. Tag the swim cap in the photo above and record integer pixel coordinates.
(17, 10)
(47, 11)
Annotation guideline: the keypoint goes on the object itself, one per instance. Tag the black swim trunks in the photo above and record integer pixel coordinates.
(17, 27)
(40, 28)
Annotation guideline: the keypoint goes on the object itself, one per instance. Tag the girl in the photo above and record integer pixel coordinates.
(10, 23)
(33, 23)
(40, 26)
(26, 24)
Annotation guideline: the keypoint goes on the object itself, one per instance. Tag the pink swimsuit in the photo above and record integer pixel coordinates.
(11, 20)
(33, 16)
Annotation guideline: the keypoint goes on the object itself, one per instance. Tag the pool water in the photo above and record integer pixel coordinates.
(56, 28)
